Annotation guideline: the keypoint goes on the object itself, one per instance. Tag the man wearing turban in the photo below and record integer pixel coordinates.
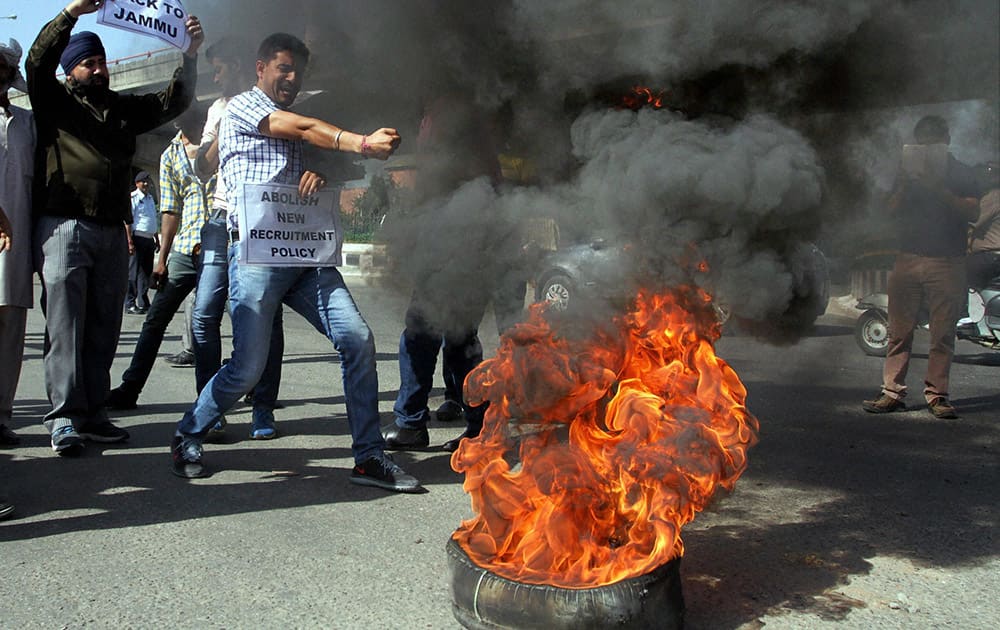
(81, 200)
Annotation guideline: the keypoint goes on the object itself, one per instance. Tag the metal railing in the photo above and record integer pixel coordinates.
(145, 55)
(117, 64)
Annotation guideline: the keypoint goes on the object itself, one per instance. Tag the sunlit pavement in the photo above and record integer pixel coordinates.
(844, 519)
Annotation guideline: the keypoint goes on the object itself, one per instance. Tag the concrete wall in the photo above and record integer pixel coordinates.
(147, 72)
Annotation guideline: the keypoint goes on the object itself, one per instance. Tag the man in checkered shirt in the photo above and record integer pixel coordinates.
(260, 141)
(183, 211)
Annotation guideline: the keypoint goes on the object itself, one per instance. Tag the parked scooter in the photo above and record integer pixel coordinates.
(982, 325)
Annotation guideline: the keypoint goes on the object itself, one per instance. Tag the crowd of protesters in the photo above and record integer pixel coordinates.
(73, 210)
(67, 197)
(96, 231)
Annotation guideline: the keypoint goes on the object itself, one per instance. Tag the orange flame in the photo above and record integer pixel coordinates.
(621, 437)
(642, 96)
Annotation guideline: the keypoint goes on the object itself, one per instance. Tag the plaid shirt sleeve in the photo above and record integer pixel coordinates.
(249, 157)
(247, 113)
(183, 194)
(170, 195)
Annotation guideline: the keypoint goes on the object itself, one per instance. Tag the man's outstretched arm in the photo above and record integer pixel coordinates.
(379, 144)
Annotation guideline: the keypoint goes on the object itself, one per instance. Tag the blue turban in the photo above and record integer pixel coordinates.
(81, 45)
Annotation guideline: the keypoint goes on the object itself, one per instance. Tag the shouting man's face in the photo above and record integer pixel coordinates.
(280, 78)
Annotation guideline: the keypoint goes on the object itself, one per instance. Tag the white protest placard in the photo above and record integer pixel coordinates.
(163, 19)
(279, 228)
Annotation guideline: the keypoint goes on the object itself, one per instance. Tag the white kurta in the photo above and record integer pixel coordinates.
(17, 147)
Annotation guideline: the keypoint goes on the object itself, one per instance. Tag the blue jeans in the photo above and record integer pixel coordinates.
(206, 321)
(508, 307)
(321, 297)
(419, 344)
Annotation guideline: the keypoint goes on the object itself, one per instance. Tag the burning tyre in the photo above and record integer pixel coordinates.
(635, 424)
(482, 600)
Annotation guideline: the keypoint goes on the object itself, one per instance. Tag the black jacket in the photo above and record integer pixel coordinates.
(83, 156)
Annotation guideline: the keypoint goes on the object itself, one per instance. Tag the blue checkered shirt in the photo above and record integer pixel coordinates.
(184, 194)
(246, 156)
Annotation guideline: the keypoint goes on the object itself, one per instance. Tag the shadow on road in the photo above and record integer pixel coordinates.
(901, 485)
(138, 488)
(830, 493)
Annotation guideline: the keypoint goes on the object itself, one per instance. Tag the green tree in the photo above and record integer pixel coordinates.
(382, 198)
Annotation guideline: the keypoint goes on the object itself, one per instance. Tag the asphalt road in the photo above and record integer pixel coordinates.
(843, 520)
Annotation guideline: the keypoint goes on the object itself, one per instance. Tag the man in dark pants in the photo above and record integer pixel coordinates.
(86, 141)
(458, 167)
(143, 243)
(932, 212)
(508, 307)
(419, 345)
(184, 210)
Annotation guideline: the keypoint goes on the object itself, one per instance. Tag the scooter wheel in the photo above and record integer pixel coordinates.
(872, 333)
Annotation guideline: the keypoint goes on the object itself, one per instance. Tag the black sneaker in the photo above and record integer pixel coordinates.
(187, 458)
(104, 432)
(6, 509)
(181, 359)
(67, 442)
(120, 398)
(381, 472)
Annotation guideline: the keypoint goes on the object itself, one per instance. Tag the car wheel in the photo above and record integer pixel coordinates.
(558, 291)
(872, 333)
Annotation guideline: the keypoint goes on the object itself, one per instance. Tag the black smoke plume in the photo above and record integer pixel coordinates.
(780, 126)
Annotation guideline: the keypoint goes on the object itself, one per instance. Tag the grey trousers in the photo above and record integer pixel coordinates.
(84, 271)
(13, 322)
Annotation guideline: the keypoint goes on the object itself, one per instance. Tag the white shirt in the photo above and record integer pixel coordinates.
(210, 133)
(143, 214)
